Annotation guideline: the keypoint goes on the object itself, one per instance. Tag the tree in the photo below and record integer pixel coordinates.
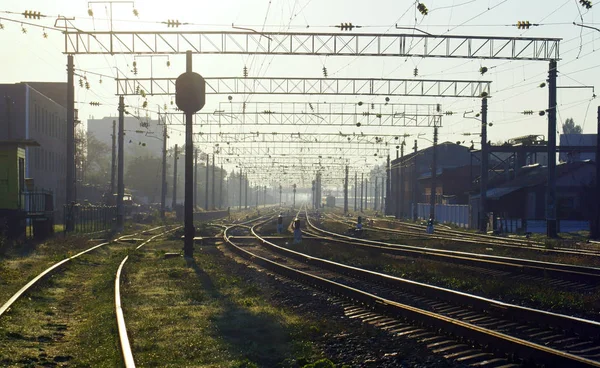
(80, 142)
(569, 127)
(143, 175)
(97, 161)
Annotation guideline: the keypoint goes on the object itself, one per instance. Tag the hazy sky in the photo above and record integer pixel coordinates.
(31, 57)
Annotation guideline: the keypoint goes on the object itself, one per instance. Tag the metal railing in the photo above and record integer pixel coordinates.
(89, 219)
(37, 202)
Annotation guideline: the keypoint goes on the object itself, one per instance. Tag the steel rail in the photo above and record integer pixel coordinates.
(523, 348)
(4, 308)
(591, 328)
(122, 327)
(481, 239)
(531, 243)
(538, 268)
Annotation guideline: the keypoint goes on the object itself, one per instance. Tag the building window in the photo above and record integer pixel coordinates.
(36, 122)
(44, 122)
(22, 174)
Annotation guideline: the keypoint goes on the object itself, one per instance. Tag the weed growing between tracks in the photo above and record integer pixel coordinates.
(197, 313)
(68, 319)
(514, 291)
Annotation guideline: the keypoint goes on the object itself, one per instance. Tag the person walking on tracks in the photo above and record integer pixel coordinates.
(297, 231)
(280, 224)
(430, 225)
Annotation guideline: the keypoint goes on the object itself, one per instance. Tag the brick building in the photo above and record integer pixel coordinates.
(407, 170)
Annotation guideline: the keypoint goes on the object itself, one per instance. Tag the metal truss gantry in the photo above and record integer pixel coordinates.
(338, 139)
(312, 86)
(324, 44)
(311, 119)
(331, 114)
(319, 150)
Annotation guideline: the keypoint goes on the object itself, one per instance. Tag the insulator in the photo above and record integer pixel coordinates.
(325, 72)
(32, 14)
(483, 70)
(416, 72)
(90, 12)
(586, 4)
(168, 63)
(135, 12)
(87, 85)
(245, 71)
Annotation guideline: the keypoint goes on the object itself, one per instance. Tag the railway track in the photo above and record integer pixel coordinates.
(564, 275)
(126, 351)
(122, 326)
(414, 230)
(389, 302)
(55, 267)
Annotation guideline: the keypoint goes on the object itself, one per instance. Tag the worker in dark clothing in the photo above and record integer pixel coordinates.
(297, 231)
(430, 225)
(279, 224)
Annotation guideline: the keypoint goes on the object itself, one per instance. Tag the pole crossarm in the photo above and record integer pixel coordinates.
(302, 138)
(313, 86)
(323, 44)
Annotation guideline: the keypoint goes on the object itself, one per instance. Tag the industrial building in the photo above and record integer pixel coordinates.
(36, 111)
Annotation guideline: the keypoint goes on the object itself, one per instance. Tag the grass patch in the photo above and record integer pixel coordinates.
(69, 319)
(22, 262)
(198, 313)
